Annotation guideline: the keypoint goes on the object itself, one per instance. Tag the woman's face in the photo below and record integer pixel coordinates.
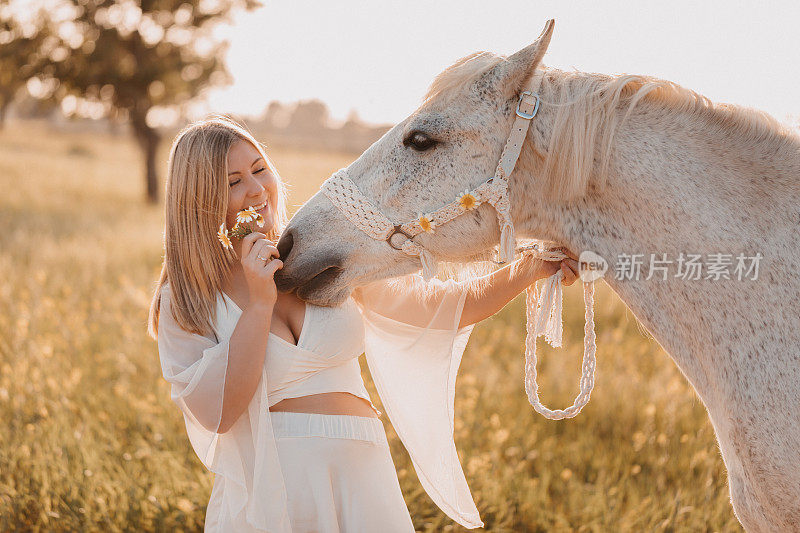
(252, 184)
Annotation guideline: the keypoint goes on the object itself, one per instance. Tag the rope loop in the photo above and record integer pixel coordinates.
(543, 317)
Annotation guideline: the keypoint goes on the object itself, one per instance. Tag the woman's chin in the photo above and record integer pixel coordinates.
(269, 225)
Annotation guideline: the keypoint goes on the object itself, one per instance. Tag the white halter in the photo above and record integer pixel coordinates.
(345, 195)
(546, 320)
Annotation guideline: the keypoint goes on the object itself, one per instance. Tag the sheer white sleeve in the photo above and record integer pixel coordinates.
(245, 457)
(413, 347)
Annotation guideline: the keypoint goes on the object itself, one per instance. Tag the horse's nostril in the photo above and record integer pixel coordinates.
(285, 244)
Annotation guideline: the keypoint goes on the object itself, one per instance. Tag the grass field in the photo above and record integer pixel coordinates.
(92, 442)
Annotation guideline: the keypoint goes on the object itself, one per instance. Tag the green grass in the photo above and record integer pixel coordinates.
(92, 441)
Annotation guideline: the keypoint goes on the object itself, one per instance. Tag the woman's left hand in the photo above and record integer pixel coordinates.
(568, 265)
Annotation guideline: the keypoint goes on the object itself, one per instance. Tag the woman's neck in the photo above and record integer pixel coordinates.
(231, 281)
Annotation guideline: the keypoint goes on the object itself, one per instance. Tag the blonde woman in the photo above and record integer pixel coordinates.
(270, 387)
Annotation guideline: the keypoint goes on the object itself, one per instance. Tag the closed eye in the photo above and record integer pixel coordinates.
(258, 171)
(419, 141)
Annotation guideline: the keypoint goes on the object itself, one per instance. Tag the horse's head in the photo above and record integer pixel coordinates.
(450, 144)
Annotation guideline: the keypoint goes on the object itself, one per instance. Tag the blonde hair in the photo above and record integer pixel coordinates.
(196, 202)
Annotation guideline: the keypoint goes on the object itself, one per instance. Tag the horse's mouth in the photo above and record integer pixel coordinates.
(322, 289)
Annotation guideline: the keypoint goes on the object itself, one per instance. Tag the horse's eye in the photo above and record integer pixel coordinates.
(419, 141)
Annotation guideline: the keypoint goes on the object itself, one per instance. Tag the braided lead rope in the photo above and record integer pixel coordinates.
(543, 317)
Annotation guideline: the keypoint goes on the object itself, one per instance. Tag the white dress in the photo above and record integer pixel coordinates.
(339, 474)
(408, 330)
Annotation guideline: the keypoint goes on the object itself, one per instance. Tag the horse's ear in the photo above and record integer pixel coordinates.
(511, 76)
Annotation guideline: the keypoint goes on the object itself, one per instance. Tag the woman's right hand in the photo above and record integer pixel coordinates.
(259, 272)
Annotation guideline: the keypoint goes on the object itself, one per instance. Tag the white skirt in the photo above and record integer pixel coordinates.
(339, 474)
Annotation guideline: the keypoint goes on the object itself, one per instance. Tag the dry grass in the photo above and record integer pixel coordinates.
(92, 441)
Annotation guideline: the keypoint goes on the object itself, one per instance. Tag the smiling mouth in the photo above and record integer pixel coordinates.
(259, 207)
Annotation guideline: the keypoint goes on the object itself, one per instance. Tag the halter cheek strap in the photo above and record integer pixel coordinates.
(527, 107)
(362, 213)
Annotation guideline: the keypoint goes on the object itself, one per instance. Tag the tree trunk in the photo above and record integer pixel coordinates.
(3, 111)
(148, 139)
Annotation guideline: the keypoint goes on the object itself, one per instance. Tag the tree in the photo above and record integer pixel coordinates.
(277, 116)
(22, 53)
(141, 59)
(309, 117)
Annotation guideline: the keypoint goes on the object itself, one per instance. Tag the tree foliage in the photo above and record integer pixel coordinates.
(137, 59)
(22, 52)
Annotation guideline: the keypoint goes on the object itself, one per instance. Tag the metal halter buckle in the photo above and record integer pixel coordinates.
(396, 230)
(524, 115)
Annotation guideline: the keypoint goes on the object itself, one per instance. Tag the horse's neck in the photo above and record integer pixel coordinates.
(675, 188)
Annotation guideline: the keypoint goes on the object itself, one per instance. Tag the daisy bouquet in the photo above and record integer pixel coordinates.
(243, 226)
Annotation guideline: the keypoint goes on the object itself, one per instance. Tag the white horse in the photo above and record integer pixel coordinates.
(616, 165)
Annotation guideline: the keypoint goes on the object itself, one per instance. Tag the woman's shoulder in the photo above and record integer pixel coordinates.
(165, 292)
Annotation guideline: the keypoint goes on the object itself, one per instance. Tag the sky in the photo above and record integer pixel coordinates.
(379, 57)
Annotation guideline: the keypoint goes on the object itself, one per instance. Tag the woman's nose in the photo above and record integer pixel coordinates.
(255, 187)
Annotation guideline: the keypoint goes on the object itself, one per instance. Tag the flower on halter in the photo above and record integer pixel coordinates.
(222, 235)
(467, 200)
(247, 215)
(426, 222)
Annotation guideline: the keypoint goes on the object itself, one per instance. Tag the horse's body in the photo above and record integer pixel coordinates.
(681, 175)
